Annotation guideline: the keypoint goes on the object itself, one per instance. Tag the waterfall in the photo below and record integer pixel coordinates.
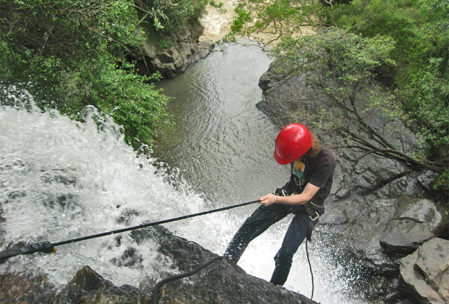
(62, 179)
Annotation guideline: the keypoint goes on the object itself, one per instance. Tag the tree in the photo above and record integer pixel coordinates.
(162, 19)
(66, 54)
(271, 20)
(420, 29)
(343, 65)
(168, 16)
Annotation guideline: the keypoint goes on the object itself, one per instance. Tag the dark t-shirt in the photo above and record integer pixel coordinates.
(316, 170)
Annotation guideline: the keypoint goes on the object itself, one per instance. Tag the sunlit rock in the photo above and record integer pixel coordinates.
(426, 272)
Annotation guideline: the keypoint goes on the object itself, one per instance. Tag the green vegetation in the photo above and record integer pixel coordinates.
(278, 18)
(420, 29)
(218, 6)
(402, 45)
(68, 54)
(163, 18)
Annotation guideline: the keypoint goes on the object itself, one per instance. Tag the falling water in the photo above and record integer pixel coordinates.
(62, 179)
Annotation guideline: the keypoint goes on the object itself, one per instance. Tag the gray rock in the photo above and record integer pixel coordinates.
(186, 49)
(426, 272)
(414, 223)
(87, 286)
(25, 288)
(426, 180)
(222, 282)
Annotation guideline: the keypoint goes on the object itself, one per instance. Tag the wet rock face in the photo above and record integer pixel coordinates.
(86, 287)
(89, 287)
(226, 283)
(23, 288)
(221, 282)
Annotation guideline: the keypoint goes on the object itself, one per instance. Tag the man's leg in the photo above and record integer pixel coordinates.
(262, 218)
(293, 238)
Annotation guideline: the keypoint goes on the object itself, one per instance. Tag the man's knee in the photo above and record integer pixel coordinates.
(234, 252)
(283, 258)
(283, 263)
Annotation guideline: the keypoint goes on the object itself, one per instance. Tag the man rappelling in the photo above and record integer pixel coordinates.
(312, 168)
(303, 196)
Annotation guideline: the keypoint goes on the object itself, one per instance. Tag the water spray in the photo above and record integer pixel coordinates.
(48, 247)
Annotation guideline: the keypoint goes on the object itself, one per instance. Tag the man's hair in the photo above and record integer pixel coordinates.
(316, 147)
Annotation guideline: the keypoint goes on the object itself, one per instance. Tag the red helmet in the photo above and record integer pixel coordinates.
(292, 142)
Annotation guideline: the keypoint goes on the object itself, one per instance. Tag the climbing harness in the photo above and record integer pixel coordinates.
(48, 247)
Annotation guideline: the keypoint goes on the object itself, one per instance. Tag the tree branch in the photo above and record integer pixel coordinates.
(109, 38)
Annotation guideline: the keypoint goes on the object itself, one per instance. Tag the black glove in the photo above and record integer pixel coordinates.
(288, 189)
(282, 192)
(278, 192)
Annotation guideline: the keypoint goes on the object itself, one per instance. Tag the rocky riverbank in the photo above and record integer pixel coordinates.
(188, 45)
(186, 49)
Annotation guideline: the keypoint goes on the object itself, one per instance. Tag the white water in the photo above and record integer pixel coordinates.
(97, 179)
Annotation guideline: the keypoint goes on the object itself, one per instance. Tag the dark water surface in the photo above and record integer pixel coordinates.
(222, 144)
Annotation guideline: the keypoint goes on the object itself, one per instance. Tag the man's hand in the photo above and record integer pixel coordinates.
(268, 199)
(295, 199)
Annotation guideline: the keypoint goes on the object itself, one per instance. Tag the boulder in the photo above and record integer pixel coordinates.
(172, 60)
(87, 286)
(426, 272)
(221, 282)
(413, 224)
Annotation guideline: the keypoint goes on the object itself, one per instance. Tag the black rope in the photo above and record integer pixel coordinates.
(158, 286)
(49, 247)
(310, 268)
